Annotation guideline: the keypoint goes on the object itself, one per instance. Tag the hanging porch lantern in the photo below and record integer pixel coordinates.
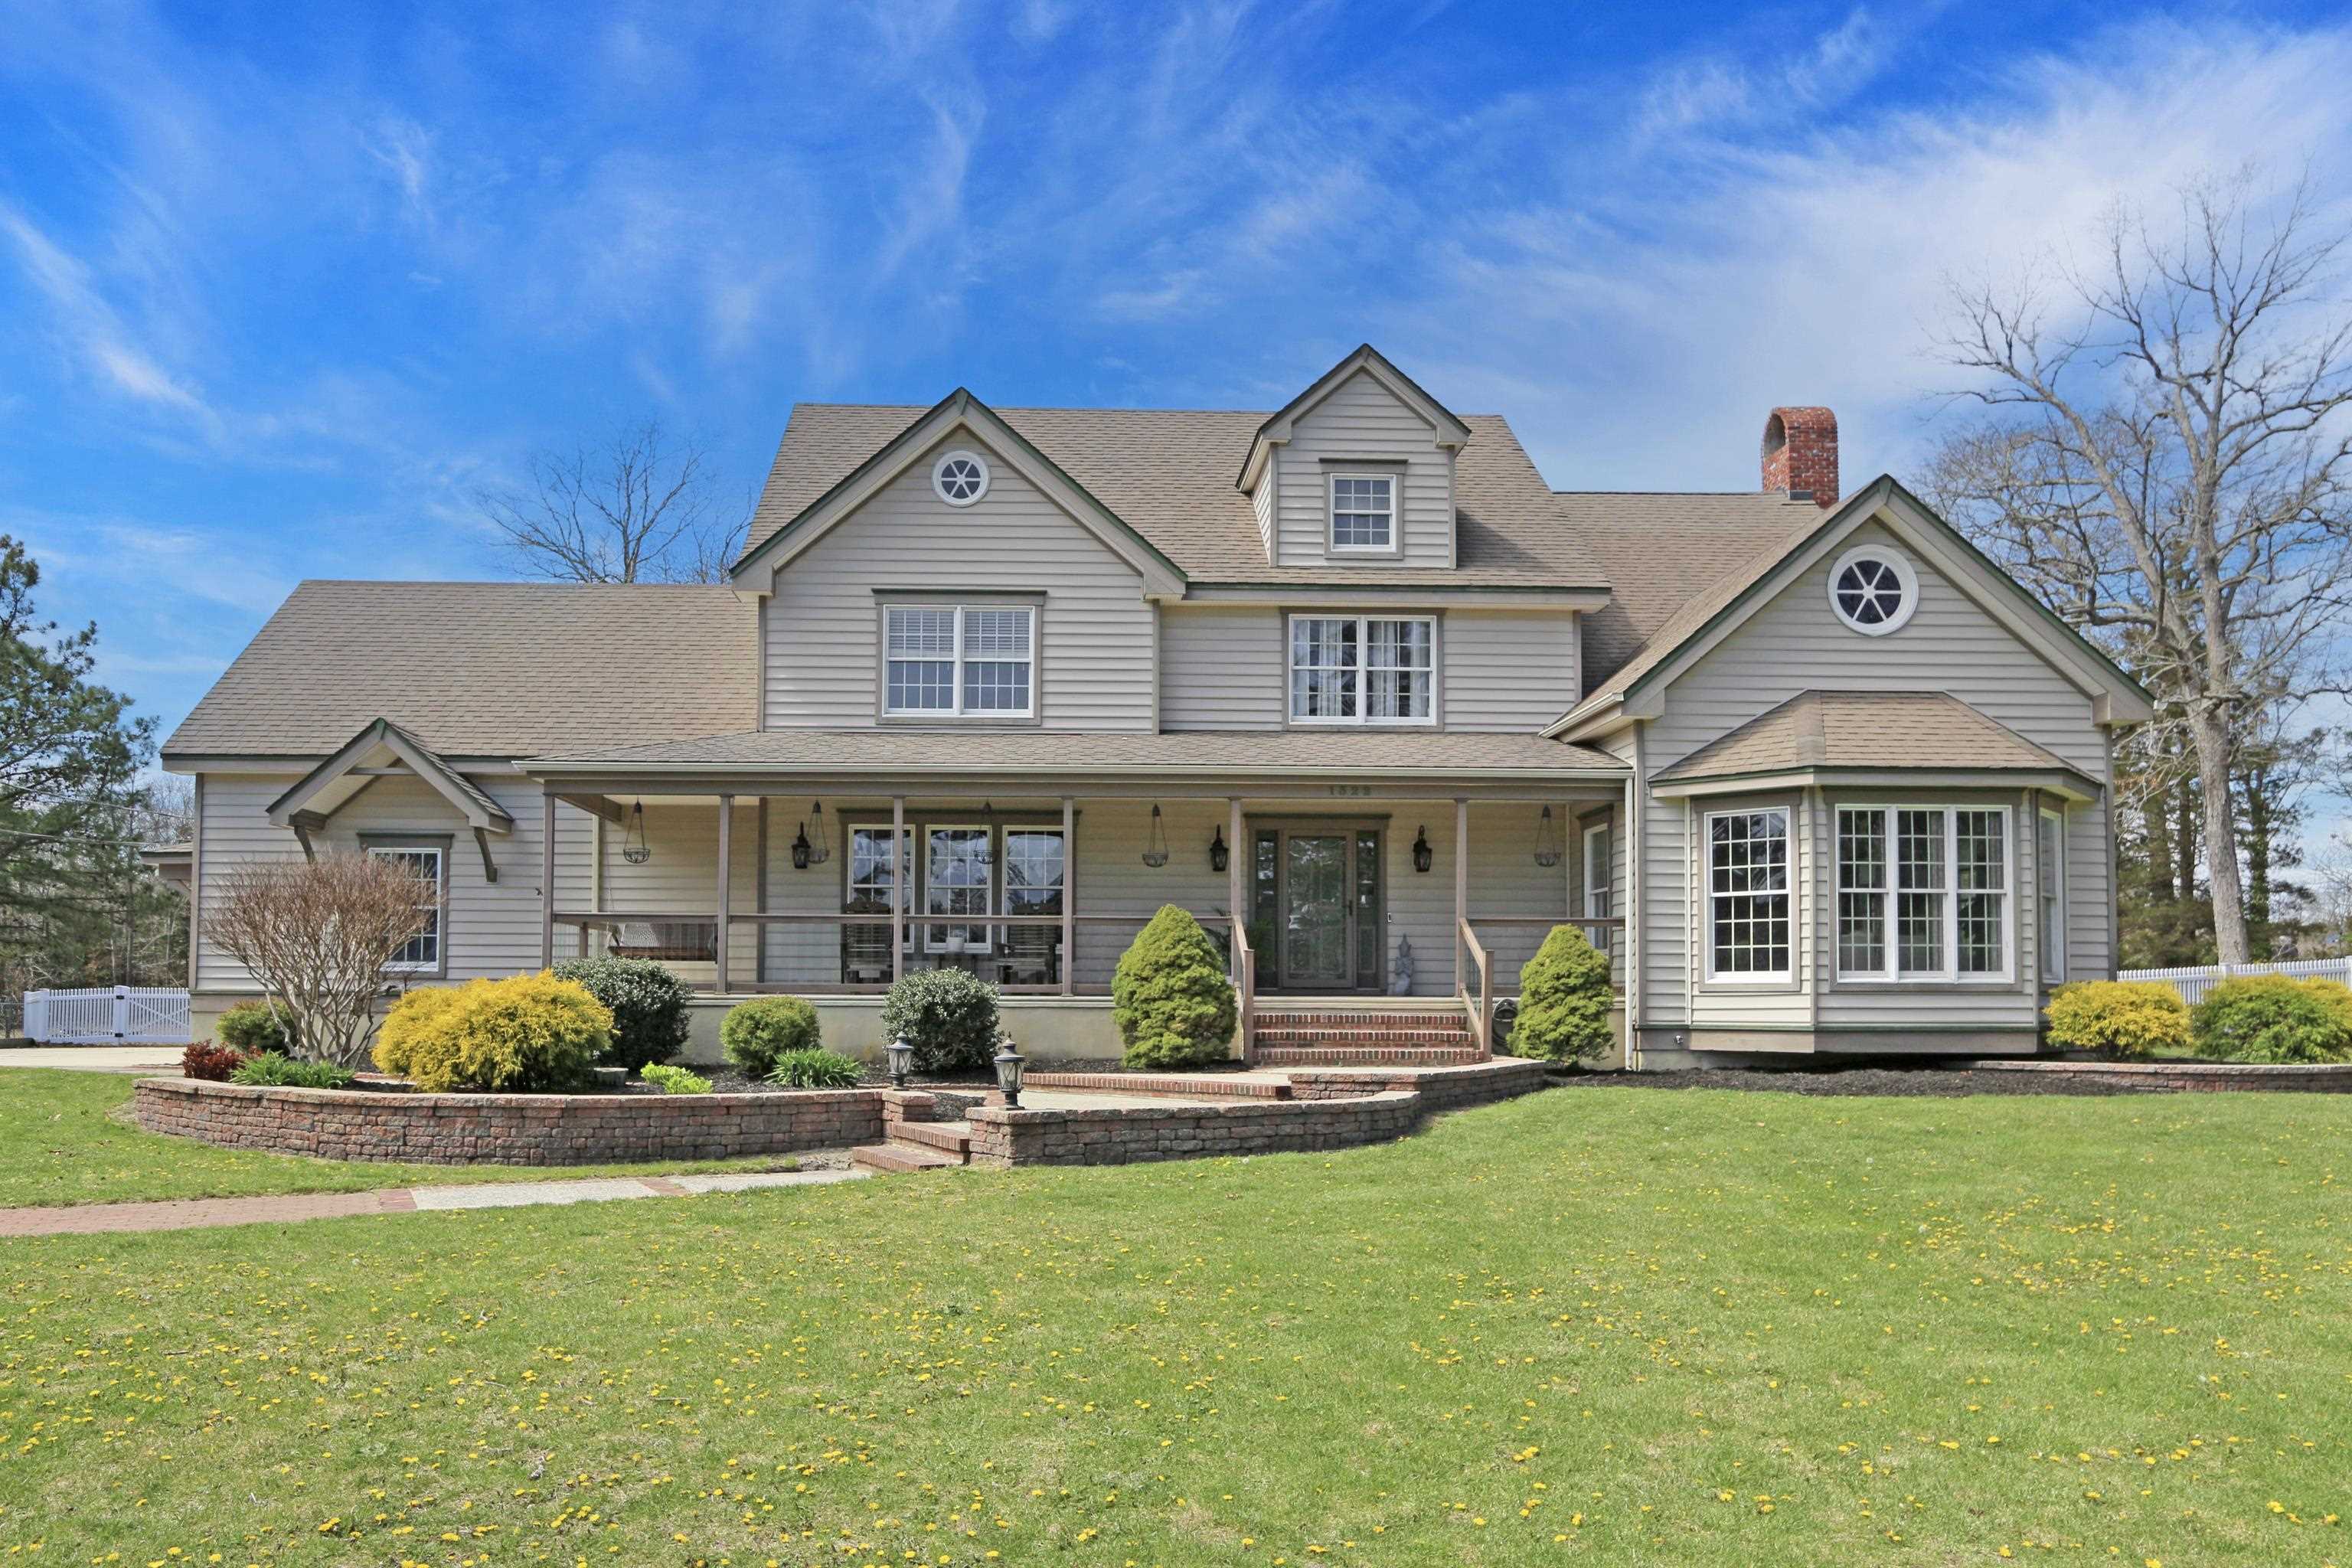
(1420, 851)
(819, 850)
(1155, 844)
(1547, 840)
(634, 848)
(1219, 855)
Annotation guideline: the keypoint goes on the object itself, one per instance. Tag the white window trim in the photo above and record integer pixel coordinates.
(440, 903)
(938, 488)
(2052, 974)
(1597, 888)
(957, 709)
(1895, 975)
(1745, 977)
(1363, 648)
(1395, 481)
(1904, 574)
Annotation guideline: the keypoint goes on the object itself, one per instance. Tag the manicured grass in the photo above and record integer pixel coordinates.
(1606, 1325)
(61, 1142)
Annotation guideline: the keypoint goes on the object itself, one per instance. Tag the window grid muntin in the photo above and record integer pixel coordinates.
(1949, 920)
(918, 683)
(1862, 890)
(422, 954)
(1363, 669)
(959, 879)
(960, 478)
(1363, 511)
(1748, 916)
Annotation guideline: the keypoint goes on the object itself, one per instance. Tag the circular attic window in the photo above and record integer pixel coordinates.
(960, 478)
(1873, 590)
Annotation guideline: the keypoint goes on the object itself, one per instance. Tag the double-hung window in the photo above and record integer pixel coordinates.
(1923, 893)
(1363, 669)
(971, 661)
(1363, 512)
(422, 955)
(1747, 910)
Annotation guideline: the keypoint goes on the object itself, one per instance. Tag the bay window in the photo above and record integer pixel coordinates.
(1923, 893)
(1747, 910)
(1363, 669)
(968, 661)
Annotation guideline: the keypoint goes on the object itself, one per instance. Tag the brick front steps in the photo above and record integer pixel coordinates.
(895, 1157)
(1366, 1056)
(1190, 1085)
(1363, 1036)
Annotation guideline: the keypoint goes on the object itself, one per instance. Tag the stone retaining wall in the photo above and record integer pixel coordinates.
(506, 1129)
(1123, 1135)
(1995, 1074)
(1441, 1088)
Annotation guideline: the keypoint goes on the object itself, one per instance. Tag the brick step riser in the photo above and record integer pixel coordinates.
(1436, 1018)
(1441, 1038)
(899, 1157)
(1307, 1055)
(947, 1139)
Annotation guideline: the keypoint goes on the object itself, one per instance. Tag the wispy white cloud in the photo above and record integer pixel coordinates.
(88, 328)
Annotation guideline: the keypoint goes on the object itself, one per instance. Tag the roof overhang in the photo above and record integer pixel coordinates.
(1318, 595)
(1451, 433)
(2057, 781)
(384, 750)
(959, 410)
(2116, 698)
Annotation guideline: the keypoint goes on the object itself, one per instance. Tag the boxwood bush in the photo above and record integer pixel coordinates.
(648, 1003)
(1170, 997)
(755, 1033)
(947, 1015)
(818, 1068)
(2118, 1018)
(251, 1028)
(529, 1033)
(1564, 1001)
(2275, 1018)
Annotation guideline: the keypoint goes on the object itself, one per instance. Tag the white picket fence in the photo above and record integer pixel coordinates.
(2193, 983)
(107, 1016)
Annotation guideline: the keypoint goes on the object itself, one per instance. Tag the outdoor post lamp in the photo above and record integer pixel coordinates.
(1009, 1063)
(902, 1057)
(1421, 849)
(1217, 851)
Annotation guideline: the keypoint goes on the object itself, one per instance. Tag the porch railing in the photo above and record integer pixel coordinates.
(1245, 990)
(1482, 1009)
(1485, 969)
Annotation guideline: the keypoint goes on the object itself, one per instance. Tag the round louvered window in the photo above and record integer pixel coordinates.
(1873, 590)
(960, 478)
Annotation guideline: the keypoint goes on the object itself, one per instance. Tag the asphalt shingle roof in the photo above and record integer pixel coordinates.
(1880, 731)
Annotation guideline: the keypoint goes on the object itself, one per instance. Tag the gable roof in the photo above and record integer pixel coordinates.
(1749, 586)
(483, 669)
(326, 788)
(1168, 473)
(960, 410)
(1880, 731)
(1365, 360)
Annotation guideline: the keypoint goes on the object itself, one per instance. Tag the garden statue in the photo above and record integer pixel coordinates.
(1400, 968)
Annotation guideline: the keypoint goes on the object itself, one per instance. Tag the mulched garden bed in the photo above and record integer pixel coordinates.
(1935, 1079)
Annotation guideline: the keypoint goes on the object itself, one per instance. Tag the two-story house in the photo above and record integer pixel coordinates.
(1347, 680)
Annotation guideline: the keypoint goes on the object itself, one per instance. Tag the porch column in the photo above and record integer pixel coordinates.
(726, 857)
(1069, 896)
(1460, 886)
(1237, 867)
(902, 870)
(547, 879)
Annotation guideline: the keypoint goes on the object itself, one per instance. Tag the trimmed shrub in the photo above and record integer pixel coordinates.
(1564, 1000)
(209, 1062)
(1170, 996)
(675, 1081)
(250, 1028)
(524, 1034)
(2275, 1018)
(817, 1070)
(647, 1004)
(2118, 1018)
(947, 1015)
(755, 1033)
(274, 1069)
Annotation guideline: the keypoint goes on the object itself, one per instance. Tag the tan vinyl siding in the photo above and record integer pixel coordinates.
(1096, 669)
(1262, 506)
(1361, 419)
(1221, 668)
(1508, 669)
(492, 929)
(682, 878)
(1795, 644)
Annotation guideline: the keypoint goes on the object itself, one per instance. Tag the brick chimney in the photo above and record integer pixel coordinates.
(1800, 454)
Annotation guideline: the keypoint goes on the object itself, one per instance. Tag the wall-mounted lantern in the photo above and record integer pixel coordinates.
(1219, 855)
(1420, 851)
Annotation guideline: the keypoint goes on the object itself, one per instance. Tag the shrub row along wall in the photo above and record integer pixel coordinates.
(1123, 1135)
(506, 1129)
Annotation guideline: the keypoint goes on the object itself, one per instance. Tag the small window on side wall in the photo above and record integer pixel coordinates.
(1363, 512)
(426, 864)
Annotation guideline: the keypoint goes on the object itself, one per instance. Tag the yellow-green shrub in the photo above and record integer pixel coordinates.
(2118, 1018)
(2275, 1019)
(530, 1032)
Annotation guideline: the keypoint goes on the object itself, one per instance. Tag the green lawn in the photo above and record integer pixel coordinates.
(63, 1140)
(1604, 1325)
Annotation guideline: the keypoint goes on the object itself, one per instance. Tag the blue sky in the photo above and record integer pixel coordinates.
(280, 288)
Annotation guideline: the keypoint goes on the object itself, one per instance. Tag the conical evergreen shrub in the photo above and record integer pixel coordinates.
(1170, 998)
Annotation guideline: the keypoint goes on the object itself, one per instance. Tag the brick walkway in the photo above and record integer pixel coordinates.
(193, 1213)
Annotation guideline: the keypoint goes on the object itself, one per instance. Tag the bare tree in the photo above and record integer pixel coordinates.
(635, 507)
(2166, 461)
(317, 934)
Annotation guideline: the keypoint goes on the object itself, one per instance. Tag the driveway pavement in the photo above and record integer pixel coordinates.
(94, 1058)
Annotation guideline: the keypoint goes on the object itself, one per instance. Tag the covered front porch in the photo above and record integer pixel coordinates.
(1391, 899)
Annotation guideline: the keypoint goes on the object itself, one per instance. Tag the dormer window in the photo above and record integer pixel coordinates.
(1363, 512)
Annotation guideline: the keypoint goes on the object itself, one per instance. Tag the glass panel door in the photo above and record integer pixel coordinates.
(1031, 954)
(956, 877)
(873, 883)
(1316, 917)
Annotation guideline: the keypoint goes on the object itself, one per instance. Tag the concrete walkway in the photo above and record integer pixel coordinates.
(193, 1213)
(95, 1059)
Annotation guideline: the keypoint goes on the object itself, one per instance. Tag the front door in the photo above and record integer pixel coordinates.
(1319, 893)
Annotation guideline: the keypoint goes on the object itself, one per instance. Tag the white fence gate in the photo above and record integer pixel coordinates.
(2193, 983)
(107, 1016)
